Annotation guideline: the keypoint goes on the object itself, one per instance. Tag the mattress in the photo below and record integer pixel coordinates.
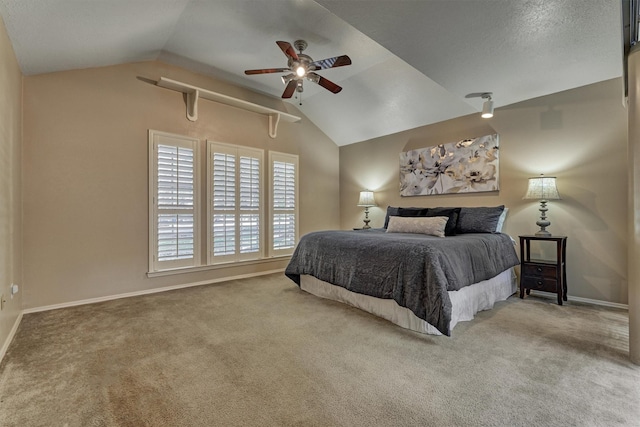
(465, 302)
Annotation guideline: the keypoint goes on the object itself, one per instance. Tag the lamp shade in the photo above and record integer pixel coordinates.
(366, 199)
(542, 188)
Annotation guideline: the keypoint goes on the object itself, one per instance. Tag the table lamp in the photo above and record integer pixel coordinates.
(542, 188)
(367, 200)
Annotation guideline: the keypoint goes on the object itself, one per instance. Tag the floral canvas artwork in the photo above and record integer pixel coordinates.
(466, 166)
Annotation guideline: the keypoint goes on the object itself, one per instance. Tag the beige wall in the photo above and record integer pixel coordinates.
(579, 135)
(86, 176)
(10, 184)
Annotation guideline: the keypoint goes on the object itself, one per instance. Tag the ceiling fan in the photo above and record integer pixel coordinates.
(301, 66)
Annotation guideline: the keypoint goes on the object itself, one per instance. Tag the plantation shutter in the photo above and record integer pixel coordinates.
(174, 230)
(249, 205)
(235, 203)
(224, 204)
(284, 205)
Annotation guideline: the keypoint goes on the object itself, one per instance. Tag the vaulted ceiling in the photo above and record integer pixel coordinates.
(414, 61)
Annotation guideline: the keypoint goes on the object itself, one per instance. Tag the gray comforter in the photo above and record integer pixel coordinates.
(415, 270)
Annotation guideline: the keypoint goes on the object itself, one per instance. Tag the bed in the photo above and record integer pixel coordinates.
(426, 282)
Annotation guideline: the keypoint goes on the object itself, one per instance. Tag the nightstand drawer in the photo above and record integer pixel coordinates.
(538, 270)
(539, 283)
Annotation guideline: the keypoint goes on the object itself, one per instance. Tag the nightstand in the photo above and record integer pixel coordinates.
(544, 275)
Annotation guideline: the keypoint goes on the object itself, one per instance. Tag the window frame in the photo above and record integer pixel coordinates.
(181, 141)
(295, 160)
(238, 151)
(202, 258)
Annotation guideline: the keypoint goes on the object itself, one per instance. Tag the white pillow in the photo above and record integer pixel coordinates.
(503, 216)
(432, 225)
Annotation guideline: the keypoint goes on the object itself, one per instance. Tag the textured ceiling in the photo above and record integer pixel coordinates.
(413, 60)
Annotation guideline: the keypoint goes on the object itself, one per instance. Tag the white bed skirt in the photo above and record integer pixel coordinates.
(465, 303)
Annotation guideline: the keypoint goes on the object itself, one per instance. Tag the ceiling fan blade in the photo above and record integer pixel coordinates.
(291, 87)
(266, 71)
(336, 61)
(288, 49)
(325, 83)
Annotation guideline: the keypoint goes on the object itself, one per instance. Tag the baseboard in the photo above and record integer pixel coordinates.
(583, 300)
(9, 339)
(148, 291)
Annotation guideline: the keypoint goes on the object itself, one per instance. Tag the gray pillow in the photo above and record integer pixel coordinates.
(479, 219)
(433, 226)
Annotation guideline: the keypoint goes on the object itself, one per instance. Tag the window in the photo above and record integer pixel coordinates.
(173, 191)
(238, 215)
(283, 212)
(235, 203)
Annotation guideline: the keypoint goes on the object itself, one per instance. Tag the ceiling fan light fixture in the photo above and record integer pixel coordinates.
(286, 79)
(301, 71)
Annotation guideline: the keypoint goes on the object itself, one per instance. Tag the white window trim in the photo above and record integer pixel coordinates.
(155, 137)
(288, 158)
(237, 150)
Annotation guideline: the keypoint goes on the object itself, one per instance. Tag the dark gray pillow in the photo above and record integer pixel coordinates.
(479, 220)
(413, 211)
(452, 222)
(406, 212)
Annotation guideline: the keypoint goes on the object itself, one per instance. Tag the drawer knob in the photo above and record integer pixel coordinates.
(540, 282)
(539, 269)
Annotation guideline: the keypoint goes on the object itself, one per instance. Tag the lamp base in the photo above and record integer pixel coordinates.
(366, 219)
(543, 222)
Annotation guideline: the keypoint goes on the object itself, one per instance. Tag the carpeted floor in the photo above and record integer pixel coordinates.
(260, 352)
